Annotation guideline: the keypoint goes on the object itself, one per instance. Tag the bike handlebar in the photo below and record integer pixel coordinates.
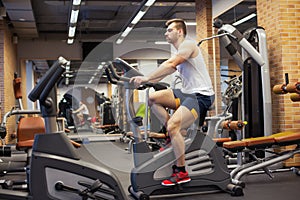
(47, 82)
(111, 73)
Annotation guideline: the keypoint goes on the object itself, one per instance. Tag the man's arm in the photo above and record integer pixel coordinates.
(185, 51)
(79, 109)
(168, 67)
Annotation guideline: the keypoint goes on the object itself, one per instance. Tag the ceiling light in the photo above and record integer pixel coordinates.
(66, 81)
(67, 76)
(161, 42)
(73, 20)
(70, 41)
(119, 41)
(74, 16)
(191, 23)
(244, 19)
(126, 32)
(135, 19)
(91, 80)
(138, 17)
(149, 3)
(72, 30)
(76, 2)
(100, 66)
(68, 66)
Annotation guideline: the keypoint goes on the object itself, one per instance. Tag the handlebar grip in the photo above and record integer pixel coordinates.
(116, 76)
(295, 97)
(233, 125)
(156, 86)
(293, 87)
(46, 79)
(109, 77)
(279, 89)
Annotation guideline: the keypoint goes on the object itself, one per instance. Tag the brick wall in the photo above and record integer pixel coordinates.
(204, 29)
(8, 65)
(1, 70)
(281, 20)
(23, 85)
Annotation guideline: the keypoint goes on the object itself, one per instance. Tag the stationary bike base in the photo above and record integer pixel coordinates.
(204, 162)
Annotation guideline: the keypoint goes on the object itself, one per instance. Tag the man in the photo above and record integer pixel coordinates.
(193, 100)
(82, 112)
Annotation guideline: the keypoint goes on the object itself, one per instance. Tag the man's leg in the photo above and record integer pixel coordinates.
(159, 101)
(80, 117)
(181, 119)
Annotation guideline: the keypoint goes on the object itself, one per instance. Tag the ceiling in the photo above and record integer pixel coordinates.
(97, 20)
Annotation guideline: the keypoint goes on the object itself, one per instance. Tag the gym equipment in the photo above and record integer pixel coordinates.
(154, 133)
(18, 110)
(225, 127)
(107, 123)
(266, 144)
(57, 170)
(263, 144)
(287, 87)
(92, 130)
(256, 101)
(14, 157)
(295, 97)
(204, 159)
(226, 121)
(65, 110)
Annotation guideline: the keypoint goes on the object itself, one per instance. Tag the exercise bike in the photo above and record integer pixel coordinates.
(57, 170)
(204, 160)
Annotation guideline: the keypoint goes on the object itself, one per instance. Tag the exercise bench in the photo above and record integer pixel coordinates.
(263, 143)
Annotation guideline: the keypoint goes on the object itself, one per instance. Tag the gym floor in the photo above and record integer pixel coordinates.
(284, 186)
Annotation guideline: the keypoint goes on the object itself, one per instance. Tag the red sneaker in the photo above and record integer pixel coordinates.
(175, 170)
(177, 178)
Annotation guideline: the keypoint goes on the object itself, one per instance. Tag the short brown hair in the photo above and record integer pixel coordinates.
(179, 24)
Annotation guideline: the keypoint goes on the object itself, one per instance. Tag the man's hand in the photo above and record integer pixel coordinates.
(138, 80)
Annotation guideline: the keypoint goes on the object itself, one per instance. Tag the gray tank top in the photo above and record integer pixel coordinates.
(195, 76)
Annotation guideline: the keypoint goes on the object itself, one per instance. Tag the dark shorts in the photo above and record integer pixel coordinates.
(197, 102)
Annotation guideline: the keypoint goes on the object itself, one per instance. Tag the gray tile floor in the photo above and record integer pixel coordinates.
(284, 186)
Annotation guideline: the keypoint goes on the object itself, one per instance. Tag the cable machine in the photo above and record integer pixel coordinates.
(253, 60)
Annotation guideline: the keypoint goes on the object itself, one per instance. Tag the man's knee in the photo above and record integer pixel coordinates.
(151, 99)
(173, 127)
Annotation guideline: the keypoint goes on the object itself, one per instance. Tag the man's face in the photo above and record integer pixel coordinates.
(171, 33)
